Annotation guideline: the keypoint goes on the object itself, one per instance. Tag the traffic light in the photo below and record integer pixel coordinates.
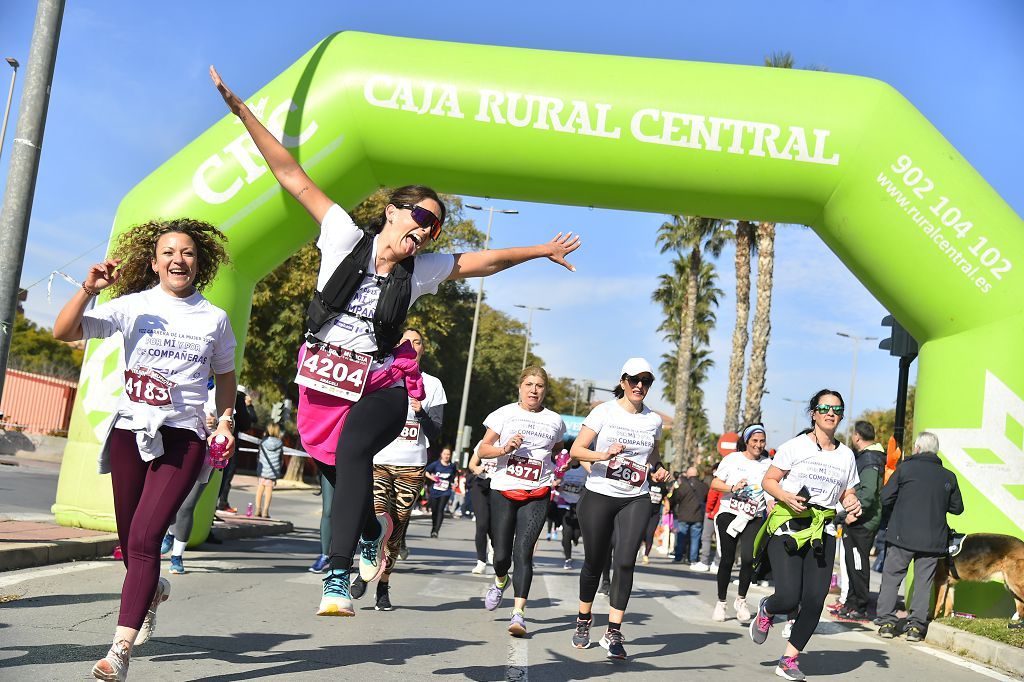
(900, 343)
(276, 413)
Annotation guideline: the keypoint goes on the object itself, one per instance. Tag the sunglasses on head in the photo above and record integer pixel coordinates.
(836, 409)
(644, 381)
(424, 218)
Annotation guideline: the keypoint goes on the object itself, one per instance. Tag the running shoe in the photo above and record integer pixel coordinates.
(849, 615)
(228, 509)
(581, 638)
(761, 624)
(403, 553)
(719, 613)
(914, 634)
(742, 610)
(163, 591)
(787, 630)
(337, 600)
(357, 588)
(612, 641)
(480, 567)
(517, 624)
(567, 565)
(177, 566)
(788, 669)
(112, 667)
(371, 552)
(167, 543)
(699, 567)
(383, 598)
(835, 606)
(887, 631)
(320, 564)
(494, 594)
(433, 534)
(645, 560)
(605, 588)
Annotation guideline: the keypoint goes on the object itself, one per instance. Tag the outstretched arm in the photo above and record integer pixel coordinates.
(282, 164)
(484, 263)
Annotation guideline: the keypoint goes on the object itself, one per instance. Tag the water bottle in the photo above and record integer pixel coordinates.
(248, 510)
(218, 448)
(562, 461)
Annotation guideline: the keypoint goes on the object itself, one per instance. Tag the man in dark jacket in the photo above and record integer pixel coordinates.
(687, 501)
(920, 493)
(860, 535)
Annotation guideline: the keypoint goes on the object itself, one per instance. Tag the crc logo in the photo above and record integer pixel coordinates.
(222, 176)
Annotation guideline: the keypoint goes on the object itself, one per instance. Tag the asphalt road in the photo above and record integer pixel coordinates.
(244, 611)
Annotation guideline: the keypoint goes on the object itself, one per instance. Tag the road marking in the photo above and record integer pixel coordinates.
(517, 665)
(8, 581)
(976, 667)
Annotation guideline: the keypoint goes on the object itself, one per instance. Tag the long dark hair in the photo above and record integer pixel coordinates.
(813, 402)
(410, 194)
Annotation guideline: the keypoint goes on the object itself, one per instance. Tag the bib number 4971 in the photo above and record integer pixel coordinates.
(341, 374)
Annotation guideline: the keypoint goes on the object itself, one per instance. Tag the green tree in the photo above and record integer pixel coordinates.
(884, 420)
(692, 237)
(33, 349)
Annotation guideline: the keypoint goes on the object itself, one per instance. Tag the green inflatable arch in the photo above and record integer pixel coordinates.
(846, 155)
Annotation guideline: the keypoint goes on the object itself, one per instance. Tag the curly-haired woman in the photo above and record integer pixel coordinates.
(174, 340)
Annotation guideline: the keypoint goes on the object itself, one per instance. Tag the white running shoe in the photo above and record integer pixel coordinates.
(113, 667)
(163, 591)
(699, 567)
(719, 613)
(480, 567)
(372, 553)
(787, 630)
(742, 610)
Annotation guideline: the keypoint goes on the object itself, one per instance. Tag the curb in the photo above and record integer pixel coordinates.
(31, 554)
(981, 649)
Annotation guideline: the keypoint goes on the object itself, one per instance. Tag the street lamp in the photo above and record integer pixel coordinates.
(10, 95)
(529, 326)
(796, 409)
(476, 322)
(853, 376)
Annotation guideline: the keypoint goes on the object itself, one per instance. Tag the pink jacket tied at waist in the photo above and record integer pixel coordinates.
(321, 417)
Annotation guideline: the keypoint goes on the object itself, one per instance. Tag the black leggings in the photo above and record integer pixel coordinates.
(437, 506)
(652, 525)
(727, 547)
(602, 518)
(373, 422)
(515, 528)
(480, 493)
(801, 582)
(570, 530)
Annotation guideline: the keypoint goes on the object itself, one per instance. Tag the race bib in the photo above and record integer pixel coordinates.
(626, 471)
(411, 432)
(656, 495)
(147, 386)
(523, 468)
(334, 371)
(571, 488)
(743, 504)
(442, 484)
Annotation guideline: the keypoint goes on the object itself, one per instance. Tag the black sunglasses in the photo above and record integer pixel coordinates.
(645, 381)
(823, 409)
(424, 218)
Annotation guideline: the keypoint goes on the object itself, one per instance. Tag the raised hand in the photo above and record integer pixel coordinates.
(234, 103)
(561, 246)
(102, 275)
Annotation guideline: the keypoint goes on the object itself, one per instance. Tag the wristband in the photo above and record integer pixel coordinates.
(226, 418)
(90, 291)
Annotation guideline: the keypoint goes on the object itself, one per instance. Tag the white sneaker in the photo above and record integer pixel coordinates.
(719, 613)
(787, 629)
(480, 567)
(714, 567)
(699, 567)
(742, 610)
(113, 667)
(163, 591)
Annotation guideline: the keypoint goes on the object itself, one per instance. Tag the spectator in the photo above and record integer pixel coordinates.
(687, 502)
(920, 494)
(245, 419)
(269, 469)
(859, 535)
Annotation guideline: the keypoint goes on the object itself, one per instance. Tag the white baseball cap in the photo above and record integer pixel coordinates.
(242, 389)
(637, 366)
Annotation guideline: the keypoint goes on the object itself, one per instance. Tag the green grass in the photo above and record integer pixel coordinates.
(993, 628)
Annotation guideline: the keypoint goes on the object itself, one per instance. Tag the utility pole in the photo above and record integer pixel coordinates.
(850, 414)
(529, 326)
(21, 176)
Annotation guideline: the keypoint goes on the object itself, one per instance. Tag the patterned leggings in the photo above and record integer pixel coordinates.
(394, 491)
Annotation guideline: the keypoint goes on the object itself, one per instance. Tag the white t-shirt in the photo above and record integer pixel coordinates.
(172, 345)
(572, 486)
(827, 474)
(751, 499)
(530, 467)
(410, 448)
(338, 236)
(639, 433)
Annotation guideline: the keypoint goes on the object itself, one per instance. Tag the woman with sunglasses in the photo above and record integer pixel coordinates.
(524, 437)
(616, 502)
(809, 477)
(352, 401)
(740, 515)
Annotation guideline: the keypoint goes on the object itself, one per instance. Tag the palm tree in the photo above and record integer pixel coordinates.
(744, 236)
(763, 307)
(672, 295)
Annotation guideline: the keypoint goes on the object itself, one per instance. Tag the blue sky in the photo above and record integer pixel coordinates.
(131, 89)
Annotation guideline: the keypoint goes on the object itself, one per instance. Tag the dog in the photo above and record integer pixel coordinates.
(979, 557)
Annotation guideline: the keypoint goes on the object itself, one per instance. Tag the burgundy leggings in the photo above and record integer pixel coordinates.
(146, 497)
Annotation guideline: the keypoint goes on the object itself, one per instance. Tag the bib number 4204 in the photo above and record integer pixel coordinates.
(341, 374)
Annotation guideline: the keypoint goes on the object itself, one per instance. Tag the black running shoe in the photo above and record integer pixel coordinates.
(581, 638)
(383, 599)
(605, 588)
(612, 641)
(358, 587)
